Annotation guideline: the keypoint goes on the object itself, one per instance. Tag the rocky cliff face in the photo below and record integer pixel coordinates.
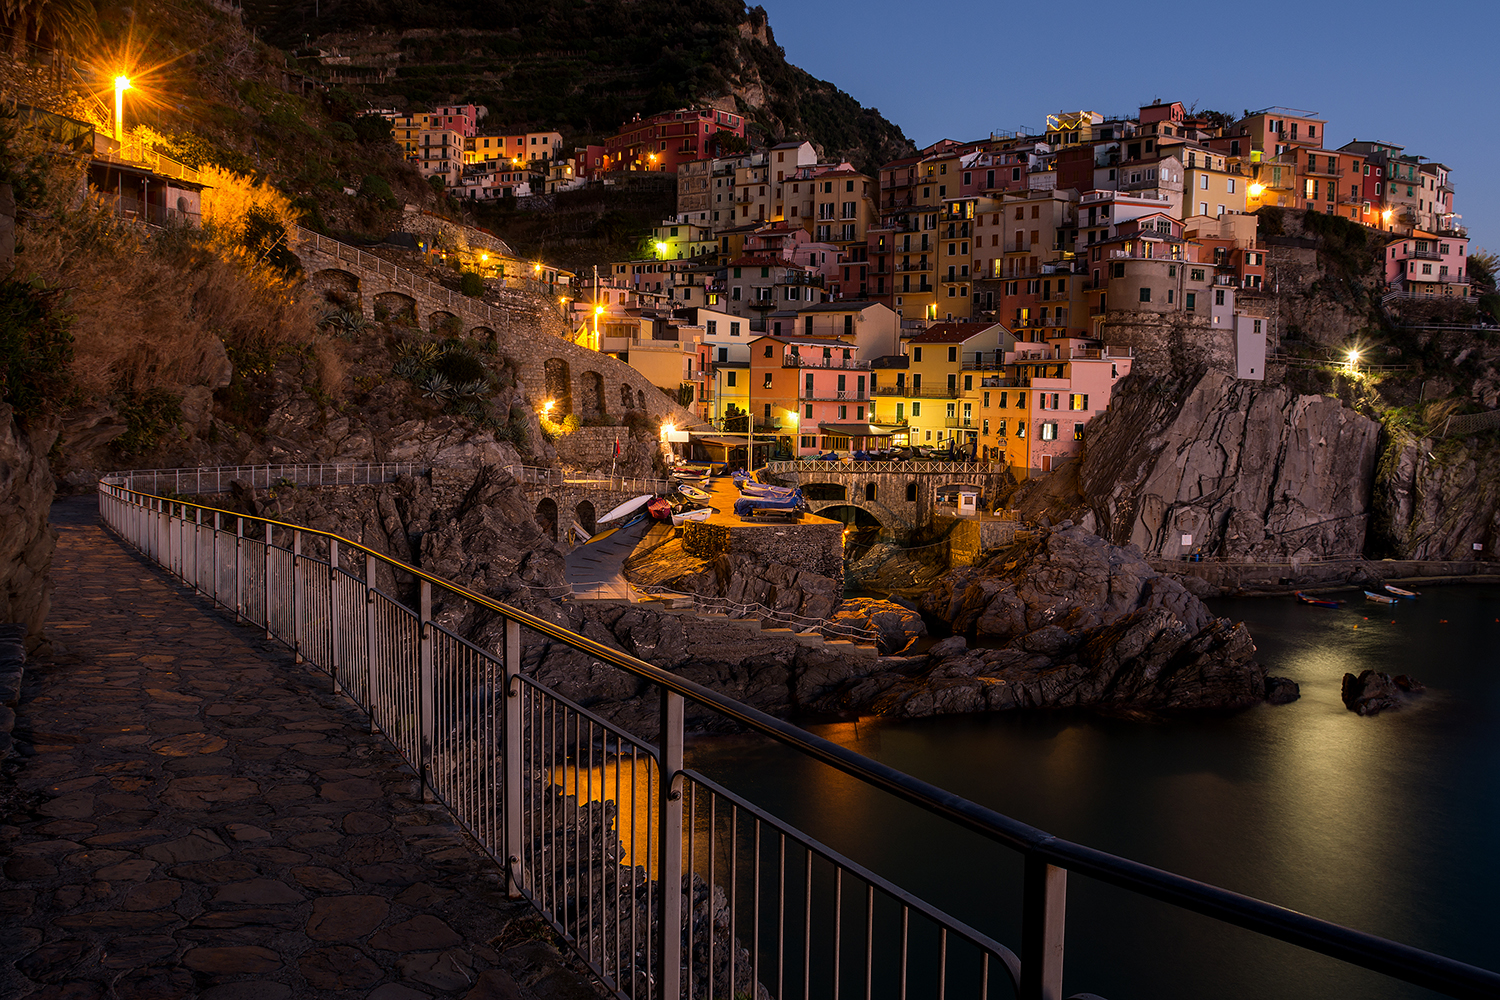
(26, 541)
(1437, 498)
(1250, 471)
(1083, 624)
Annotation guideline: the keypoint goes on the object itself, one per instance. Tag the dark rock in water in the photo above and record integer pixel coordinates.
(1372, 692)
(1282, 690)
(1086, 624)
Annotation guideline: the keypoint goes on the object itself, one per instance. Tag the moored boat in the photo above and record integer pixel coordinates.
(1389, 589)
(693, 493)
(1316, 602)
(1370, 595)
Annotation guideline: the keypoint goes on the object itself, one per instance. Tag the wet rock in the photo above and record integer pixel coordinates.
(1282, 690)
(1373, 692)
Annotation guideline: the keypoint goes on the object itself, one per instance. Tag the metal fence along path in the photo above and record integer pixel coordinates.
(666, 883)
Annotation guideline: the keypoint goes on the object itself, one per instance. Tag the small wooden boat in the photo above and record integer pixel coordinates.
(660, 509)
(1370, 595)
(682, 515)
(693, 493)
(1389, 589)
(1316, 602)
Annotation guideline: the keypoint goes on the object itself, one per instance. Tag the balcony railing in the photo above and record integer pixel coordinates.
(837, 396)
(915, 266)
(798, 361)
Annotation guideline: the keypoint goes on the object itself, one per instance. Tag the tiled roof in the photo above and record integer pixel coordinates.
(950, 333)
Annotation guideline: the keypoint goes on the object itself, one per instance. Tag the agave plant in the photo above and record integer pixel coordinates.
(436, 386)
(406, 367)
(472, 389)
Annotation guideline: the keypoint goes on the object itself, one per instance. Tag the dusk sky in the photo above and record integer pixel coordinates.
(1420, 76)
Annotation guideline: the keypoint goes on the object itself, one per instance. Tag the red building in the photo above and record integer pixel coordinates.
(663, 141)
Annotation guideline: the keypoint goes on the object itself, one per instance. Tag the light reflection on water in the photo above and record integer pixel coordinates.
(1387, 824)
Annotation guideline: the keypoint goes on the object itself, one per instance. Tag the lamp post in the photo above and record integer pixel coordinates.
(122, 84)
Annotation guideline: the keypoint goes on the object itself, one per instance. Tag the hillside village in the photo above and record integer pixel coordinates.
(982, 297)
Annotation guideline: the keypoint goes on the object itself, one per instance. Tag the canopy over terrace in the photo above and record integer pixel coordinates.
(861, 436)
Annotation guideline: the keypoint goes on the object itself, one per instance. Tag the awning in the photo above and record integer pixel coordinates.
(862, 430)
(719, 442)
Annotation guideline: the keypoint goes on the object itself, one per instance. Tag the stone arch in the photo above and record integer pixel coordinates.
(640, 398)
(825, 491)
(626, 399)
(482, 333)
(591, 394)
(337, 288)
(559, 387)
(870, 490)
(546, 516)
(445, 322)
(394, 307)
(584, 515)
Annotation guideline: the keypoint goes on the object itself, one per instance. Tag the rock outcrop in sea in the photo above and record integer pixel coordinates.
(1069, 620)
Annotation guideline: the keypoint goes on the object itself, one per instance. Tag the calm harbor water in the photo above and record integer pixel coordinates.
(1388, 824)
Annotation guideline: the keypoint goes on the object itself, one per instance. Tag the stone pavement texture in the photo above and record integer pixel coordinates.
(190, 814)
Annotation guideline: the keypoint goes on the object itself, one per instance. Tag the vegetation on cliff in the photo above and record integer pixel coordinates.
(584, 67)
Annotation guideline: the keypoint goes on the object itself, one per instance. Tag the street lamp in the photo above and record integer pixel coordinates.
(661, 247)
(122, 84)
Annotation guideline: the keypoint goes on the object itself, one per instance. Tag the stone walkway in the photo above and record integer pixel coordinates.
(191, 814)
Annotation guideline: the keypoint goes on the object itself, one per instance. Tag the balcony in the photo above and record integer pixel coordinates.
(1311, 171)
(960, 422)
(954, 279)
(837, 396)
(982, 366)
(814, 280)
(1426, 255)
(918, 266)
(844, 364)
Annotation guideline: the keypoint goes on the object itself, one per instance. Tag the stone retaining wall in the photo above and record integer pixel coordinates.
(1333, 573)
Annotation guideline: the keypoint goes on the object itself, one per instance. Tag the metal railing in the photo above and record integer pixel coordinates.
(185, 482)
(536, 476)
(628, 854)
(934, 466)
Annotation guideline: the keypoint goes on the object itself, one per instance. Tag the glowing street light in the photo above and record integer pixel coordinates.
(122, 84)
(547, 406)
(667, 429)
(661, 247)
(1256, 189)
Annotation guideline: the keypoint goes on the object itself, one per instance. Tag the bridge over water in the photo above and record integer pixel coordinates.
(901, 495)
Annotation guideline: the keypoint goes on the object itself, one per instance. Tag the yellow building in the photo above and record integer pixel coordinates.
(1209, 188)
(946, 365)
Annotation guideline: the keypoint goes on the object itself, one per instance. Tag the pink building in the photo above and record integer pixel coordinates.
(1427, 264)
(1060, 388)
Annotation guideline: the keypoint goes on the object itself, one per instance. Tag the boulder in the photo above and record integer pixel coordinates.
(897, 626)
(1372, 692)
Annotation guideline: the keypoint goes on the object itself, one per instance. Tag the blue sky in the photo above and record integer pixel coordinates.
(1421, 76)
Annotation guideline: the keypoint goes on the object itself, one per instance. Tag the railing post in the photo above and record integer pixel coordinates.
(669, 868)
(197, 562)
(266, 580)
(239, 569)
(426, 689)
(510, 788)
(370, 638)
(213, 560)
(1044, 899)
(333, 613)
(298, 597)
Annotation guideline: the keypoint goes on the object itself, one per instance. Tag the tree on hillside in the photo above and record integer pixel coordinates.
(62, 25)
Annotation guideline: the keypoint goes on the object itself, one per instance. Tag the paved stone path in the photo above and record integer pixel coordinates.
(191, 814)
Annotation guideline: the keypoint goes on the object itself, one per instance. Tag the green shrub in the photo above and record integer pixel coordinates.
(342, 132)
(35, 347)
(378, 190)
(460, 367)
(148, 418)
(471, 284)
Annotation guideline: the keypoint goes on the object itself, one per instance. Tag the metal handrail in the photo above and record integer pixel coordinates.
(155, 522)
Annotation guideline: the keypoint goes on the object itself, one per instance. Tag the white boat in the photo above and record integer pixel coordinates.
(580, 535)
(701, 514)
(627, 508)
(693, 493)
(1370, 595)
(1402, 593)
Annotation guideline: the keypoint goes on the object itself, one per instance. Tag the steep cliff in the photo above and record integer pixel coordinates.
(26, 541)
(1437, 498)
(1250, 471)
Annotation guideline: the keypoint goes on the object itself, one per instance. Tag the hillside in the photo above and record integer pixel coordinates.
(580, 67)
